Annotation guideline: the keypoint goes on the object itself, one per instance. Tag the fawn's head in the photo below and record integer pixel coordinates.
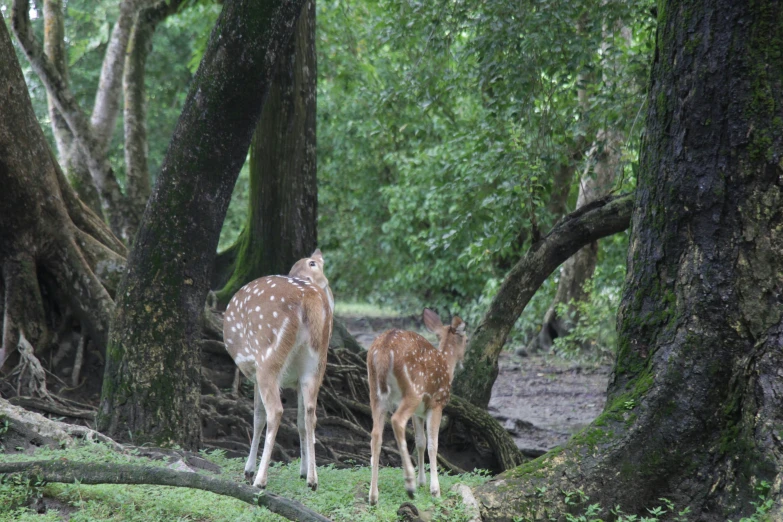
(311, 269)
(452, 338)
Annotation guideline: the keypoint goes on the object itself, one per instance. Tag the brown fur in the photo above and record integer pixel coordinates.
(422, 376)
(277, 330)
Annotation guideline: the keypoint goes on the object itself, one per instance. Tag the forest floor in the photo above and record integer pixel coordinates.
(541, 399)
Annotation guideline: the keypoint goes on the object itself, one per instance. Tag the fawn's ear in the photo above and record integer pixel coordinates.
(432, 321)
(458, 325)
(317, 255)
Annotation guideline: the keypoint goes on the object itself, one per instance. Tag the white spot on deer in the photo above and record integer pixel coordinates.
(274, 285)
(282, 299)
(230, 341)
(274, 314)
(272, 298)
(258, 308)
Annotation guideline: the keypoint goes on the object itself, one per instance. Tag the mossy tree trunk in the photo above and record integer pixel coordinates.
(282, 210)
(589, 223)
(151, 385)
(693, 412)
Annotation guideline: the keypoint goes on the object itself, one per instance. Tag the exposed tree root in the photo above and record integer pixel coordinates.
(100, 473)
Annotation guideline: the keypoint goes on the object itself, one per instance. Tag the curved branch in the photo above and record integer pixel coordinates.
(601, 218)
(111, 473)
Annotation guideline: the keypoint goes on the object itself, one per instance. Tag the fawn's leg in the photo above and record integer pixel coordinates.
(309, 391)
(399, 420)
(421, 446)
(378, 420)
(270, 395)
(433, 426)
(300, 425)
(259, 419)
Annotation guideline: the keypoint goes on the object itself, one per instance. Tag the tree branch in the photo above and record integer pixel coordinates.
(593, 221)
(111, 473)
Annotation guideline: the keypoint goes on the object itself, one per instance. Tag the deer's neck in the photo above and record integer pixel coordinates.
(451, 361)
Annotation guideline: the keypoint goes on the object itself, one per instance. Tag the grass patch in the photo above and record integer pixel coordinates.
(342, 493)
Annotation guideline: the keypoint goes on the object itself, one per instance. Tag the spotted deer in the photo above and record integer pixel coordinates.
(277, 330)
(406, 372)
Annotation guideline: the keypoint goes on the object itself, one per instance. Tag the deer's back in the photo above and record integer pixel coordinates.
(271, 316)
(405, 363)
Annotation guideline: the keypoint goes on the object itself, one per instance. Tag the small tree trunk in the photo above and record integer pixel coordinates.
(68, 152)
(137, 174)
(282, 209)
(693, 411)
(151, 386)
(579, 268)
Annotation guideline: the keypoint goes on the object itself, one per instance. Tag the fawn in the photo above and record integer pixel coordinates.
(277, 330)
(406, 372)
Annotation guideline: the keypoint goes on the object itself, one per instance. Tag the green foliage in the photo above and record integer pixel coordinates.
(439, 137)
(594, 332)
(342, 493)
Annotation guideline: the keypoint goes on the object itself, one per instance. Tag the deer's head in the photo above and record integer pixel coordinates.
(311, 269)
(452, 339)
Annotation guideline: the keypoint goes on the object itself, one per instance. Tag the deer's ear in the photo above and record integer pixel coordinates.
(317, 255)
(432, 321)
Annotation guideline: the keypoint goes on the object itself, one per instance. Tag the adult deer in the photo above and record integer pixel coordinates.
(405, 371)
(277, 330)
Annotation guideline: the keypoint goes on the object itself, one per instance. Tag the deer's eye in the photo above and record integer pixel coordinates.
(312, 263)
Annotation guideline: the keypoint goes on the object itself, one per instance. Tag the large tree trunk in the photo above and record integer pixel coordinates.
(282, 209)
(151, 386)
(48, 237)
(90, 136)
(587, 224)
(694, 411)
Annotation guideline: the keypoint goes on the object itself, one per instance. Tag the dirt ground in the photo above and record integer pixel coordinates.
(541, 400)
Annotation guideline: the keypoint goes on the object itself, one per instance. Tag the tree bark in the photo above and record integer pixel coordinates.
(599, 219)
(100, 473)
(282, 209)
(693, 411)
(47, 232)
(151, 386)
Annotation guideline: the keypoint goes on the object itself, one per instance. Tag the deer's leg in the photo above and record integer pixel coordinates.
(433, 426)
(378, 420)
(309, 392)
(399, 420)
(259, 419)
(302, 428)
(421, 445)
(270, 395)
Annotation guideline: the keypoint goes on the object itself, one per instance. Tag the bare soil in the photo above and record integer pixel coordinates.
(541, 400)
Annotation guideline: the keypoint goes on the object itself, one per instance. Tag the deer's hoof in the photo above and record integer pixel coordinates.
(411, 492)
(435, 492)
(249, 477)
(312, 485)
